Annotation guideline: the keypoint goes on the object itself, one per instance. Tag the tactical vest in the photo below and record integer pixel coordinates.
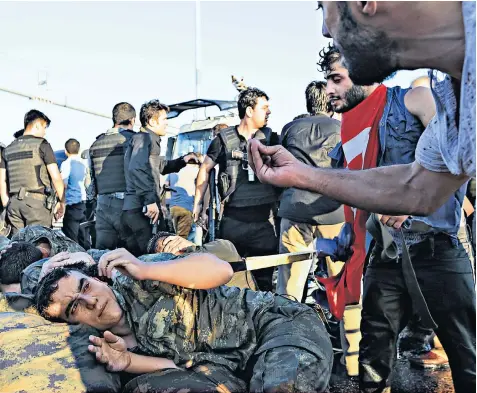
(242, 192)
(107, 159)
(25, 166)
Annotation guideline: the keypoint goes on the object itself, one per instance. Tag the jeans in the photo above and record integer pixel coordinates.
(74, 216)
(444, 273)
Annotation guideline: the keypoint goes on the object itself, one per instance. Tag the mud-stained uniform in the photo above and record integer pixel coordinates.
(225, 338)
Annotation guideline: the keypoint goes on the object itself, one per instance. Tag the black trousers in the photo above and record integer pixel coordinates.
(137, 231)
(253, 239)
(108, 222)
(445, 276)
(74, 216)
(28, 211)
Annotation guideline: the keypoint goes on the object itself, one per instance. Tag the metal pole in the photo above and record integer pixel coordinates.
(41, 99)
(212, 206)
(197, 53)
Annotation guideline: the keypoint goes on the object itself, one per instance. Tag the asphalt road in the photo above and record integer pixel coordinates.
(405, 379)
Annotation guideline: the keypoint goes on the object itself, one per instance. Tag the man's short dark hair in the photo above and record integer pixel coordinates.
(123, 113)
(328, 56)
(150, 110)
(49, 285)
(15, 259)
(152, 245)
(249, 97)
(316, 98)
(33, 116)
(72, 146)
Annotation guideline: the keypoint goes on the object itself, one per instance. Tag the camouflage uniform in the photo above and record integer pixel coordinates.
(239, 339)
(4, 241)
(223, 249)
(58, 241)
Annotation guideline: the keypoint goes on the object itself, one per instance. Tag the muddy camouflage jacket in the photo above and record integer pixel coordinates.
(190, 327)
(57, 239)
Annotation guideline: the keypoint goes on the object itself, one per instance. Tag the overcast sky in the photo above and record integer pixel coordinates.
(96, 54)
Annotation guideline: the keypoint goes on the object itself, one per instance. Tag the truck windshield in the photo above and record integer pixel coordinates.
(193, 141)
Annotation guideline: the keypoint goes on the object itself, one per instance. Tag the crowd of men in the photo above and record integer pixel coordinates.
(394, 163)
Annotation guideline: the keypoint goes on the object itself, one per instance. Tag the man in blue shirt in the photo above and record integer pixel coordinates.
(73, 172)
(181, 203)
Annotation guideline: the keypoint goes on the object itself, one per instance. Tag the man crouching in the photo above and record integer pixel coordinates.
(176, 320)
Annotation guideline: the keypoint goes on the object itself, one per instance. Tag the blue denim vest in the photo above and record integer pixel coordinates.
(399, 132)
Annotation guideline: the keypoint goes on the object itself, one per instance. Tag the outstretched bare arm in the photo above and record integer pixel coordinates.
(392, 190)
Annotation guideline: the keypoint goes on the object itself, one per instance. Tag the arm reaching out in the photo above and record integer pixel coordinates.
(392, 190)
(112, 351)
(196, 271)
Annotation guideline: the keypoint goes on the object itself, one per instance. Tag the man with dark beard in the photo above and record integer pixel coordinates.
(249, 207)
(378, 38)
(381, 127)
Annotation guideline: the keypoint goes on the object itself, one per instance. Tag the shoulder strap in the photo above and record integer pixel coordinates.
(230, 139)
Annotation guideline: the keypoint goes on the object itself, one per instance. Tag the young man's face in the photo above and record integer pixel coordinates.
(159, 123)
(342, 94)
(261, 112)
(369, 54)
(82, 299)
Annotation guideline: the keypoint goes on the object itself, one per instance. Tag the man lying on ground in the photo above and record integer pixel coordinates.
(50, 242)
(162, 242)
(157, 317)
(13, 260)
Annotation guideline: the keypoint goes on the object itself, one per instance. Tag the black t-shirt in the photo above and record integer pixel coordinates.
(216, 150)
(46, 153)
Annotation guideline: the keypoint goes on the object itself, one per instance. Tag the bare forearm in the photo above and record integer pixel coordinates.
(196, 271)
(60, 189)
(201, 186)
(392, 190)
(3, 187)
(3, 193)
(147, 364)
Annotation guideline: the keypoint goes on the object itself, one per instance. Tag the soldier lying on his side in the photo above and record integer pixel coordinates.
(176, 320)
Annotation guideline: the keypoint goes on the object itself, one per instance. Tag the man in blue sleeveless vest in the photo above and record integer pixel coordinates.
(250, 206)
(28, 174)
(442, 266)
(108, 182)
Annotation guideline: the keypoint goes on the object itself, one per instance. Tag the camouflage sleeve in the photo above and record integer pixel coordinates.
(4, 241)
(29, 277)
(96, 254)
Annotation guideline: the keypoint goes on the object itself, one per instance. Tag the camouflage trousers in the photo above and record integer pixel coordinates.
(293, 355)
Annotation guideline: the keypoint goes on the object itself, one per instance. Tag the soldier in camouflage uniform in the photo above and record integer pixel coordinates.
(50, 240)
(176, 245)
(211, 338)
